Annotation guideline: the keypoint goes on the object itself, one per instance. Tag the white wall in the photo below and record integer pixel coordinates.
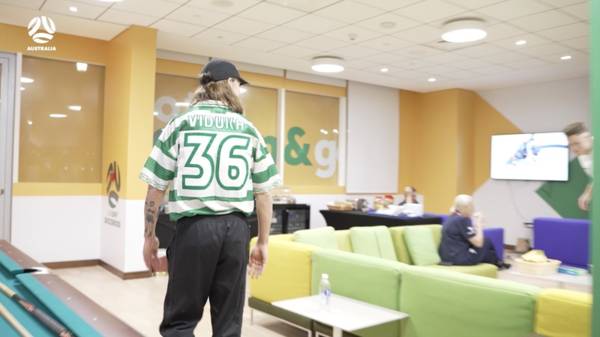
(121, 244)
(532, 108)
(57, 228)
(372, 148)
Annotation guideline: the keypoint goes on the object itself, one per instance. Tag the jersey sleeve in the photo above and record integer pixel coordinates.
(160, 166)
(467, 230)
(265, 176)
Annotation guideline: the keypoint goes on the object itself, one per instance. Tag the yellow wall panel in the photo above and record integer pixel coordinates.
(260, 108)
(170, 89)
(409, 110)
(129, 97)
(314, 116)
(56, 189)
(178, 68)
(67, 149)
(314, 88)
(465, 142)
(436, 159)
(263, 80)
(68, 47)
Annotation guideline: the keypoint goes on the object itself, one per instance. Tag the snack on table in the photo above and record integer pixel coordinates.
(340, 206)
(536, 256)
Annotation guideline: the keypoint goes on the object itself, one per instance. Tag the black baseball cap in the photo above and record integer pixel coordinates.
(218, 70)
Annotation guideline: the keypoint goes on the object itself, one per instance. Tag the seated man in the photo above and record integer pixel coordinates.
(462, 238)
(410, 196)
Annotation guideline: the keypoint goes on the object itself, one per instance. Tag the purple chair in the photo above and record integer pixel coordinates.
(566, 240)
(496, 235)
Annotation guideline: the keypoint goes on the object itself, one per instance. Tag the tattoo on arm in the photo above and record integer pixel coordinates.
(154, 197)
(151, 217)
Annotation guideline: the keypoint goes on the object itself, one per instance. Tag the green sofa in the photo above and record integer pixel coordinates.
(440, 301)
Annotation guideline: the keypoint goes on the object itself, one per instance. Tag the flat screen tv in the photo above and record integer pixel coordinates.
(530, 156)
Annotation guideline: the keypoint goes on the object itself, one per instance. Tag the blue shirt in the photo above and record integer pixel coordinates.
(455, 245)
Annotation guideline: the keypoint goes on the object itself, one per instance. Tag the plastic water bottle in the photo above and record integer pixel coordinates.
(325, 290)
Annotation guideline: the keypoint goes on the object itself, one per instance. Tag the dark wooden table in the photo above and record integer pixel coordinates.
(346, 219)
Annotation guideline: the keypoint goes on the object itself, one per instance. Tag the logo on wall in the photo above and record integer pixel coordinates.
(41, 29)
(113, 187)
(113, 184)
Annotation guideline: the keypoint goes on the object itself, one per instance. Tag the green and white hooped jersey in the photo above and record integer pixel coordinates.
(216, 160)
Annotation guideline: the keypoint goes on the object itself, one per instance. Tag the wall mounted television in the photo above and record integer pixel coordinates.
(530, 156)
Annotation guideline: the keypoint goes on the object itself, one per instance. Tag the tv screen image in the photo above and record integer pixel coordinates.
(530, 156)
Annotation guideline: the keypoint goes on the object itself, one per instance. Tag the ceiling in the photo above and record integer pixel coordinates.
(286, 34)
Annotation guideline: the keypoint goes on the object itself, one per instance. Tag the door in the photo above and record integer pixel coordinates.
(8, 72)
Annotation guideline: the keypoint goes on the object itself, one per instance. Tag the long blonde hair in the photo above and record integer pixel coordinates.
(217, 91)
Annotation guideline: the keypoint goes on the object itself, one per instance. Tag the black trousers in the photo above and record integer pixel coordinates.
(207, 260)
(485, 254)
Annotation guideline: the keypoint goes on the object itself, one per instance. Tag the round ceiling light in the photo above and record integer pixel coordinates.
(328, 64)
(464, 30)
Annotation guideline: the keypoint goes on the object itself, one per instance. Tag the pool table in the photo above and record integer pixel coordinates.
(74, 310)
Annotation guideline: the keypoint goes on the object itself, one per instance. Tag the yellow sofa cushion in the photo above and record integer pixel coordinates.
(563, 313)
(287, 273)
(482, 269)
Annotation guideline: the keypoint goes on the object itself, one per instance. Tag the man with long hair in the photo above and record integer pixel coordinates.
(218, 165)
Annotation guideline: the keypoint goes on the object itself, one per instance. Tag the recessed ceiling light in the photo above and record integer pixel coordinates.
(29, 122)
(58, 116)
(110, 0)
(73, 9)
(81, 66)
(463, 30)
(182, 104)
(384, 70)
(387, 24)
(26, 80)
(327, 64)
(74, 107)
(521, 42)
(431, 79)
(566, 57)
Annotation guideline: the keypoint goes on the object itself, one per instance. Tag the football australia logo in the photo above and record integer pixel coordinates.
(41, 29)
(113, 180)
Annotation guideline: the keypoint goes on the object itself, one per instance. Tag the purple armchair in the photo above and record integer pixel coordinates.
(566, 240)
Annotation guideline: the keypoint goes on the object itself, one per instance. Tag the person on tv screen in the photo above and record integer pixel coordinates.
(463, 242)
(581, 144)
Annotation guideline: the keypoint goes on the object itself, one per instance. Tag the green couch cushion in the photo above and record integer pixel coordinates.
(421, 246)
(323, 237)
(364, 278)
(373, 241)
(343, 240)
(400, 246)
(447, 304)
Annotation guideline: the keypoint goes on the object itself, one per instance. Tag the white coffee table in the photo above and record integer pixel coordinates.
(561, 279)
(342, 313)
